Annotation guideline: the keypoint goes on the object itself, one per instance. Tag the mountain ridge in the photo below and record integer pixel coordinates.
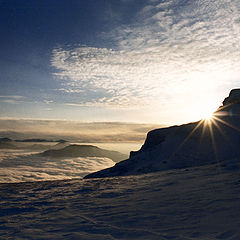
(188, 145)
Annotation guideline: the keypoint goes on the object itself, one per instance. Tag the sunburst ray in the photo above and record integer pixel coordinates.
(226, 123)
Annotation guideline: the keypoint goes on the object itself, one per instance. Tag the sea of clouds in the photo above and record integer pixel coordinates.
(25, 166)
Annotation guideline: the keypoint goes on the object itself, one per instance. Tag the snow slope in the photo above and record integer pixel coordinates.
(200, 203)
(188, 145)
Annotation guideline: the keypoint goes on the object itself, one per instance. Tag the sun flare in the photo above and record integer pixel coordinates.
(207, 116)
(203, 112)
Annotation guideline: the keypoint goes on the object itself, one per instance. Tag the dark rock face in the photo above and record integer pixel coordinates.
(194, 144)
(233, 98)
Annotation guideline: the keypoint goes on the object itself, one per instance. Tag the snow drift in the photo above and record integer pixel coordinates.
(194, 144)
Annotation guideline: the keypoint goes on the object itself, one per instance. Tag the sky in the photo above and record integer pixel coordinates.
(143, 61)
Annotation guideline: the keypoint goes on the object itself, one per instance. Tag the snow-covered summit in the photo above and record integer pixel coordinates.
(193, 144)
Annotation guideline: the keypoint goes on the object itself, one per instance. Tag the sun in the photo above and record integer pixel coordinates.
(202, 110)
(207, 116)
(202, 114)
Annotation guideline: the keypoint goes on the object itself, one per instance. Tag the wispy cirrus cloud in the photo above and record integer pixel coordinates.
(11, 99)
(15, 99)
(173, 50)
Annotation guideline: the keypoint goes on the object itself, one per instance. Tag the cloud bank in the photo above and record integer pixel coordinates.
(75, 130)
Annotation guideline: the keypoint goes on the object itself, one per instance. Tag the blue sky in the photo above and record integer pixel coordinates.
(155, 61)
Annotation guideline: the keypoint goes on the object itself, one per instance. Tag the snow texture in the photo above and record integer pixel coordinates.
(200, 203)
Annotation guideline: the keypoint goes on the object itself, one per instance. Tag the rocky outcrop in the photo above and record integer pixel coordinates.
(194, 144)
(233, 98)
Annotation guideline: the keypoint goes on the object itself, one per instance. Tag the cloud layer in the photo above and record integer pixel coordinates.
(26, 167)
(173, 50)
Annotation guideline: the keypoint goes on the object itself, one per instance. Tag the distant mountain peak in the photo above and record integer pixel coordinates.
(75, 150)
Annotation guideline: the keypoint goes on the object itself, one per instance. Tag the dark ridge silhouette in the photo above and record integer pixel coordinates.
(44, 147)
(39, 140)
(193, 144)
(5, 139)
(75, 150)
(30, 146)
(62, 141)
